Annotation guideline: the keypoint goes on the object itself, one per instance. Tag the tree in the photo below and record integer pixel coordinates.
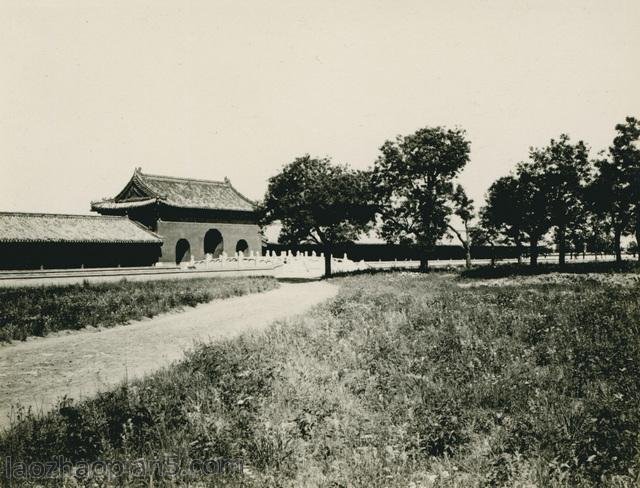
(598, 237)
(534, 206)
(625, 155)
(485, 233)
(563, 170)
(317, 201)
(503, 211)
(614, 194)
(578, 235)
(610, 198)
(517, 206)
(463, 209)
(413, 181)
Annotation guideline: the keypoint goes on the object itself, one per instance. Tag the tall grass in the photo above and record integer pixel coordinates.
(37, 311)
(402, 380)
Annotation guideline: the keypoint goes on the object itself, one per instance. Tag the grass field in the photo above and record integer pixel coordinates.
(37, 311)
(402, 380)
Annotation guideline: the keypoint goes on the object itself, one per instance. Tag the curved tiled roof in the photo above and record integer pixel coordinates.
(144, 189)
(38, 227)
(111, 204)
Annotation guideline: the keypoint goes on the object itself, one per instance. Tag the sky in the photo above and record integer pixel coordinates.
(206, 89)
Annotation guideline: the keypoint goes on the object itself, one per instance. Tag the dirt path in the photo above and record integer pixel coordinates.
(41, 370)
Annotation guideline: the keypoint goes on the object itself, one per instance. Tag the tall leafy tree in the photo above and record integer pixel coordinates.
(319, 202)
(598, 236)
(413, 182)
(486, 233)
(563, 170)
(531, 193)
(614, 194)
(464, 210)
(578, 235)
(504, 209)
(517, 206)
(610, 198)
(625, 155)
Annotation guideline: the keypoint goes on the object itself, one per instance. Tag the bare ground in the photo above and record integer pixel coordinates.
(40, 371)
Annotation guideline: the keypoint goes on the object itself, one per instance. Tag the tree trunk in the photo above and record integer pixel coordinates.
(424, 264)
(467, 245)
(493, 254)
(637, 248)
(327, 262)
(519, 251)
(561, 242)
(533, 252)
(467, 256)
(616, 245)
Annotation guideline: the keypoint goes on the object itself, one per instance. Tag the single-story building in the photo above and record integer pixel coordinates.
(154, 218)
(39, 240)
(193, 217)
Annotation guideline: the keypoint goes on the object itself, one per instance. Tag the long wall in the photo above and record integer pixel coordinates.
(389, 252)
(194, 233)
(59, 255)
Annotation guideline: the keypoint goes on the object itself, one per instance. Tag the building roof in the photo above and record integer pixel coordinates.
(37, 227)
(145, 189)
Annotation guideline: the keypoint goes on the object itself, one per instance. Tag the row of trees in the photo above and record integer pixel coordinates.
(561, 191)
(410, 196)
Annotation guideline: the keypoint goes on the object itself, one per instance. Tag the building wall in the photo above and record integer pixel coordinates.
(60, 255)
(194, 232)
(389, 252)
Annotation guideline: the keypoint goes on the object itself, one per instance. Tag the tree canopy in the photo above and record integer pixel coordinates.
(560, 188)
(413, 183)
(320, 202)
(413, 195)
(625, 156)
(562, 170)
(504, 210)
(614, 193)
(516, 205)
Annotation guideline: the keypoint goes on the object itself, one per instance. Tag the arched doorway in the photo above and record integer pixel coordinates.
(242, 247)
(213, 243)
(183, 251)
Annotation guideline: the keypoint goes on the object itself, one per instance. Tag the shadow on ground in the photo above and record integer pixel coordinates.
(509, 270)
(298, 279)
(412, 269)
